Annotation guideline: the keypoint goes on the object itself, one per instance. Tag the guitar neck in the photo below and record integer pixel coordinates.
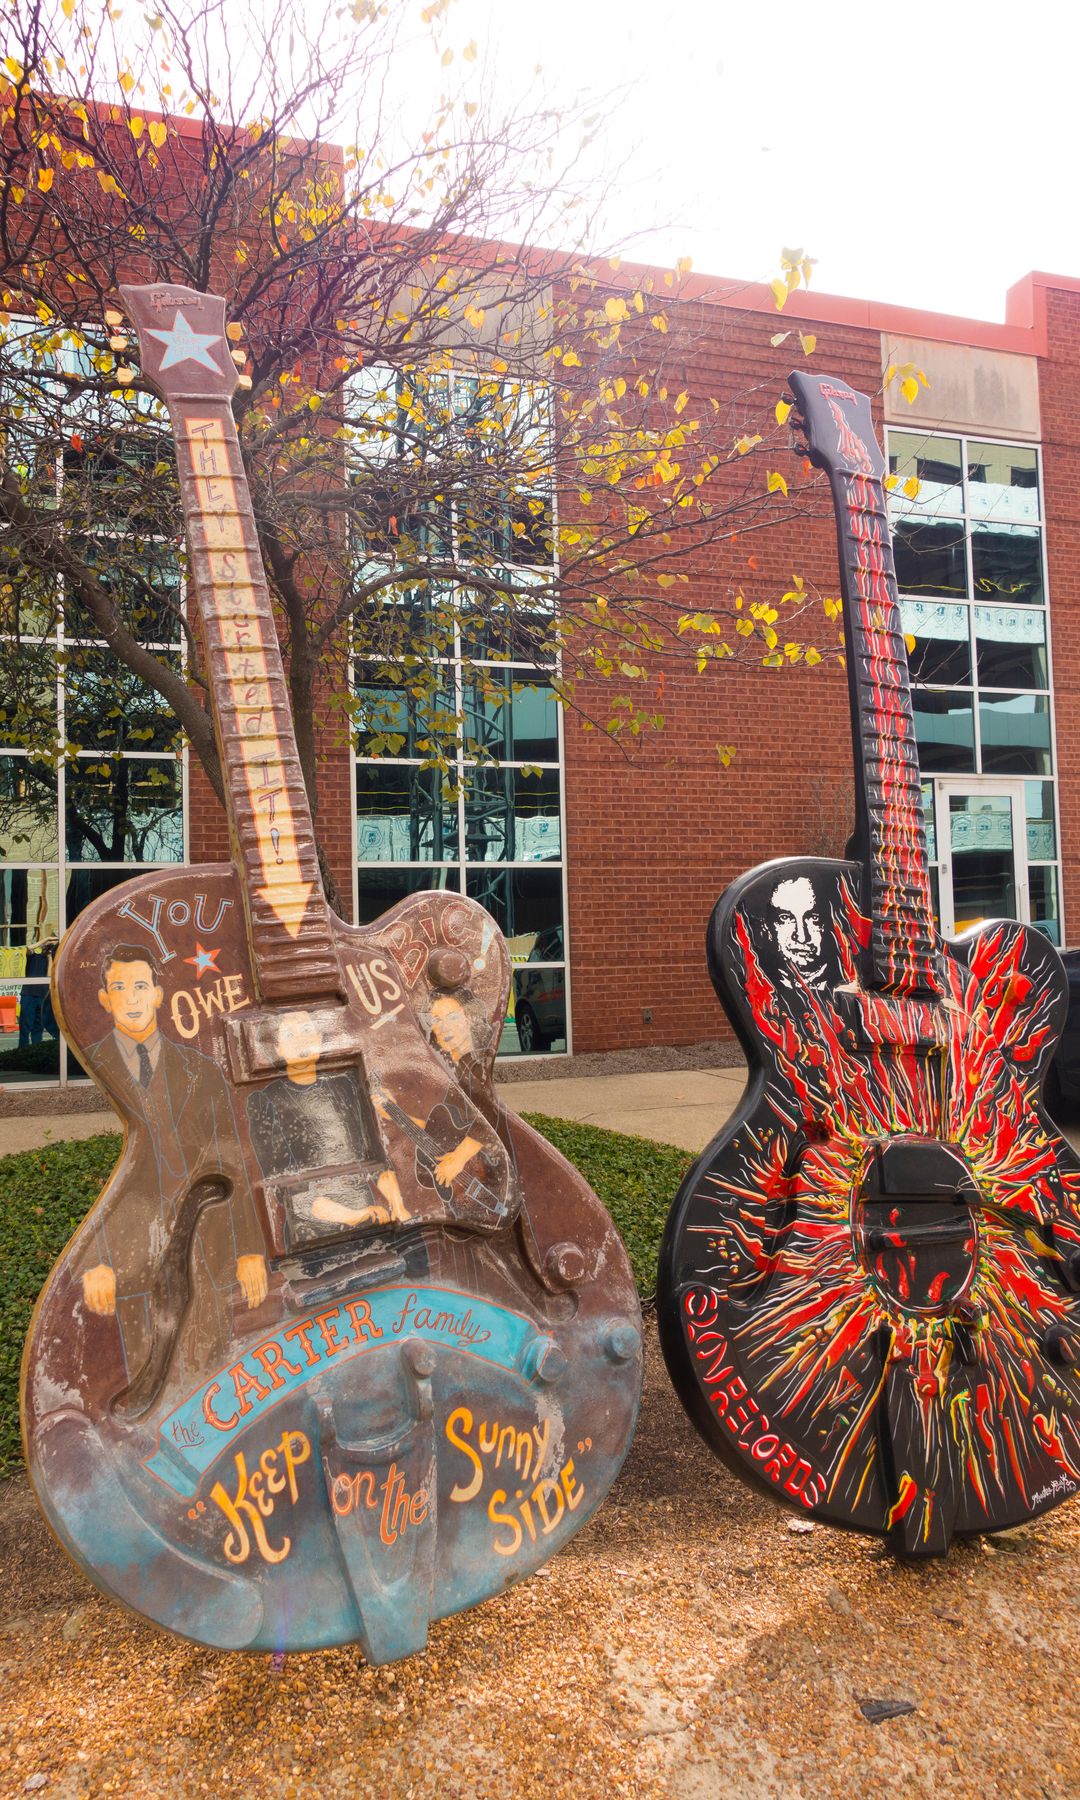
(289, 923)
(890, 834)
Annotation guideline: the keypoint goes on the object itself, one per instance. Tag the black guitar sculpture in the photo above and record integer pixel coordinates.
(869, 1290)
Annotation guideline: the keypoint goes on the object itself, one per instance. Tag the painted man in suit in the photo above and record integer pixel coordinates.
(182, 1128)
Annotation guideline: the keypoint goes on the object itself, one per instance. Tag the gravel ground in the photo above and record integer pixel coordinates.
(689, 1644)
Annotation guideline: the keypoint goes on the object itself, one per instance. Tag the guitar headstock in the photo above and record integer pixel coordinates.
(184, 343)
(838, 424)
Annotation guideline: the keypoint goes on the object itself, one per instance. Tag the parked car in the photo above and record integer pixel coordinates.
(540, 996)
(1063, 1078)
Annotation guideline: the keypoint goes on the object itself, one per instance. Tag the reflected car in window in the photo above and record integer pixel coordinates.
(540, 996)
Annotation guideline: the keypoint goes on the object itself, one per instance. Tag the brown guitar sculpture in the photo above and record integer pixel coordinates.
(344, 1346)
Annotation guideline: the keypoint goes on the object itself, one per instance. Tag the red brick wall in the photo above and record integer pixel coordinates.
(652, 844)
(1059, 400)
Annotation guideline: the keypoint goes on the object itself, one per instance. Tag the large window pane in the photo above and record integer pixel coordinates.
(145, 586)
(124, 810)
(28, 811)
(29, 1035)
(403, 717)
(1003, 482)
(29, 920)
(27, 695)
(86, 884)
(1015, 734)
(511, 721)
(945, 732)
(517, 629)
(402, 815)
(382, 887)
(936, 465)
(1006, 564)
(930, 557)
(1010, 644)
(523, 902)
(512, 815)
(1043, 900)
(942, 653)
(1041, 830)
(106, 707)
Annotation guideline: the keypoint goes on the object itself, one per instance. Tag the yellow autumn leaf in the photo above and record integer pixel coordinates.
(681, 401)
(127, 80)
(808, 342)
(813, 656)
(744, 443)
(136, 128)
(909, 387)
(684, 265)
(571, 360)
(45, 179)
(469, 52)
(14, 69)
(615, 310)
(620, 387)
(776, 483)
(658, 322)
(783, 412)
(158, 133)
(779, 293)
(665, 581)
(910, 642)
(778, 338)
(67, 7)
(912, 486)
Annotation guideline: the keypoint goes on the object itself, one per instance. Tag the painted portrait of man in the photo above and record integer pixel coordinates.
(182, 1128)
(797, 925)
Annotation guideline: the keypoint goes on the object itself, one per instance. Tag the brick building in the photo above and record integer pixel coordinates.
(607, 882)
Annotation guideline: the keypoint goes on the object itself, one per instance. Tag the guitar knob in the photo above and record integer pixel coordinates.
(447, 969)
(620, 1342)
(1061, 1346)
(564, 1265)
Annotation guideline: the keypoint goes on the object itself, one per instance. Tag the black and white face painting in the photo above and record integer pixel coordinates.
(794, 922)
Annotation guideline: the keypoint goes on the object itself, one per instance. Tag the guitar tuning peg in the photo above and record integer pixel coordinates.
(113, 318)
(244, 382)
(800, 449)
(118, 343)
(234, 331)
(125, 376)
(239, 357)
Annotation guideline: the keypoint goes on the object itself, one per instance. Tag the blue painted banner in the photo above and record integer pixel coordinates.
(201, 1429)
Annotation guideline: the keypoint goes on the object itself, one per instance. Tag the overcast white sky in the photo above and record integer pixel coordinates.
(925, 155)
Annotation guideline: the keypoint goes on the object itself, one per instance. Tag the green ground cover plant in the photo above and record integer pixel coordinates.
(45, 1193)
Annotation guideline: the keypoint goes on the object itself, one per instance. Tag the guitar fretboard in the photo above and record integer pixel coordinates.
(902, 955)
(289, 921)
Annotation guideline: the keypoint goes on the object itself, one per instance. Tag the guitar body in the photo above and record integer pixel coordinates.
(888, 1362)
(344, 1346)
(869, 1285)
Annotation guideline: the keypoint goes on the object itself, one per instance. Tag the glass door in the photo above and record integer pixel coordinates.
(983, 852)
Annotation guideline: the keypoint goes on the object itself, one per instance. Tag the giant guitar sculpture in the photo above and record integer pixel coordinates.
(344, 1346)
(870, 1283)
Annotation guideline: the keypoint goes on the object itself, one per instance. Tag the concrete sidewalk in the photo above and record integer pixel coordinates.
(672, 1106)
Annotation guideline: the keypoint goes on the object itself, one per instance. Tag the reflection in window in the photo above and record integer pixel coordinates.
(28, 822)
(1043, 899)
(402, 815)
(125, 810)
(106, 707)
(931, 557)
(1010, 644)
(945, 732)
(1003, 481)
(1041, 829)
(402, 718)
(522, 902)
(1006, 563)
(1015, 734)
(27, 695)
(382, 888)
(29, 917)
(942, 654)
(510, 720)
(512, 815)
(935, 464)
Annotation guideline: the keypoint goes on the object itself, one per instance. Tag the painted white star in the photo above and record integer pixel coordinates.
(184, 345)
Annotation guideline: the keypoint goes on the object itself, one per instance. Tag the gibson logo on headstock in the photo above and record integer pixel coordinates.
(162, 299)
